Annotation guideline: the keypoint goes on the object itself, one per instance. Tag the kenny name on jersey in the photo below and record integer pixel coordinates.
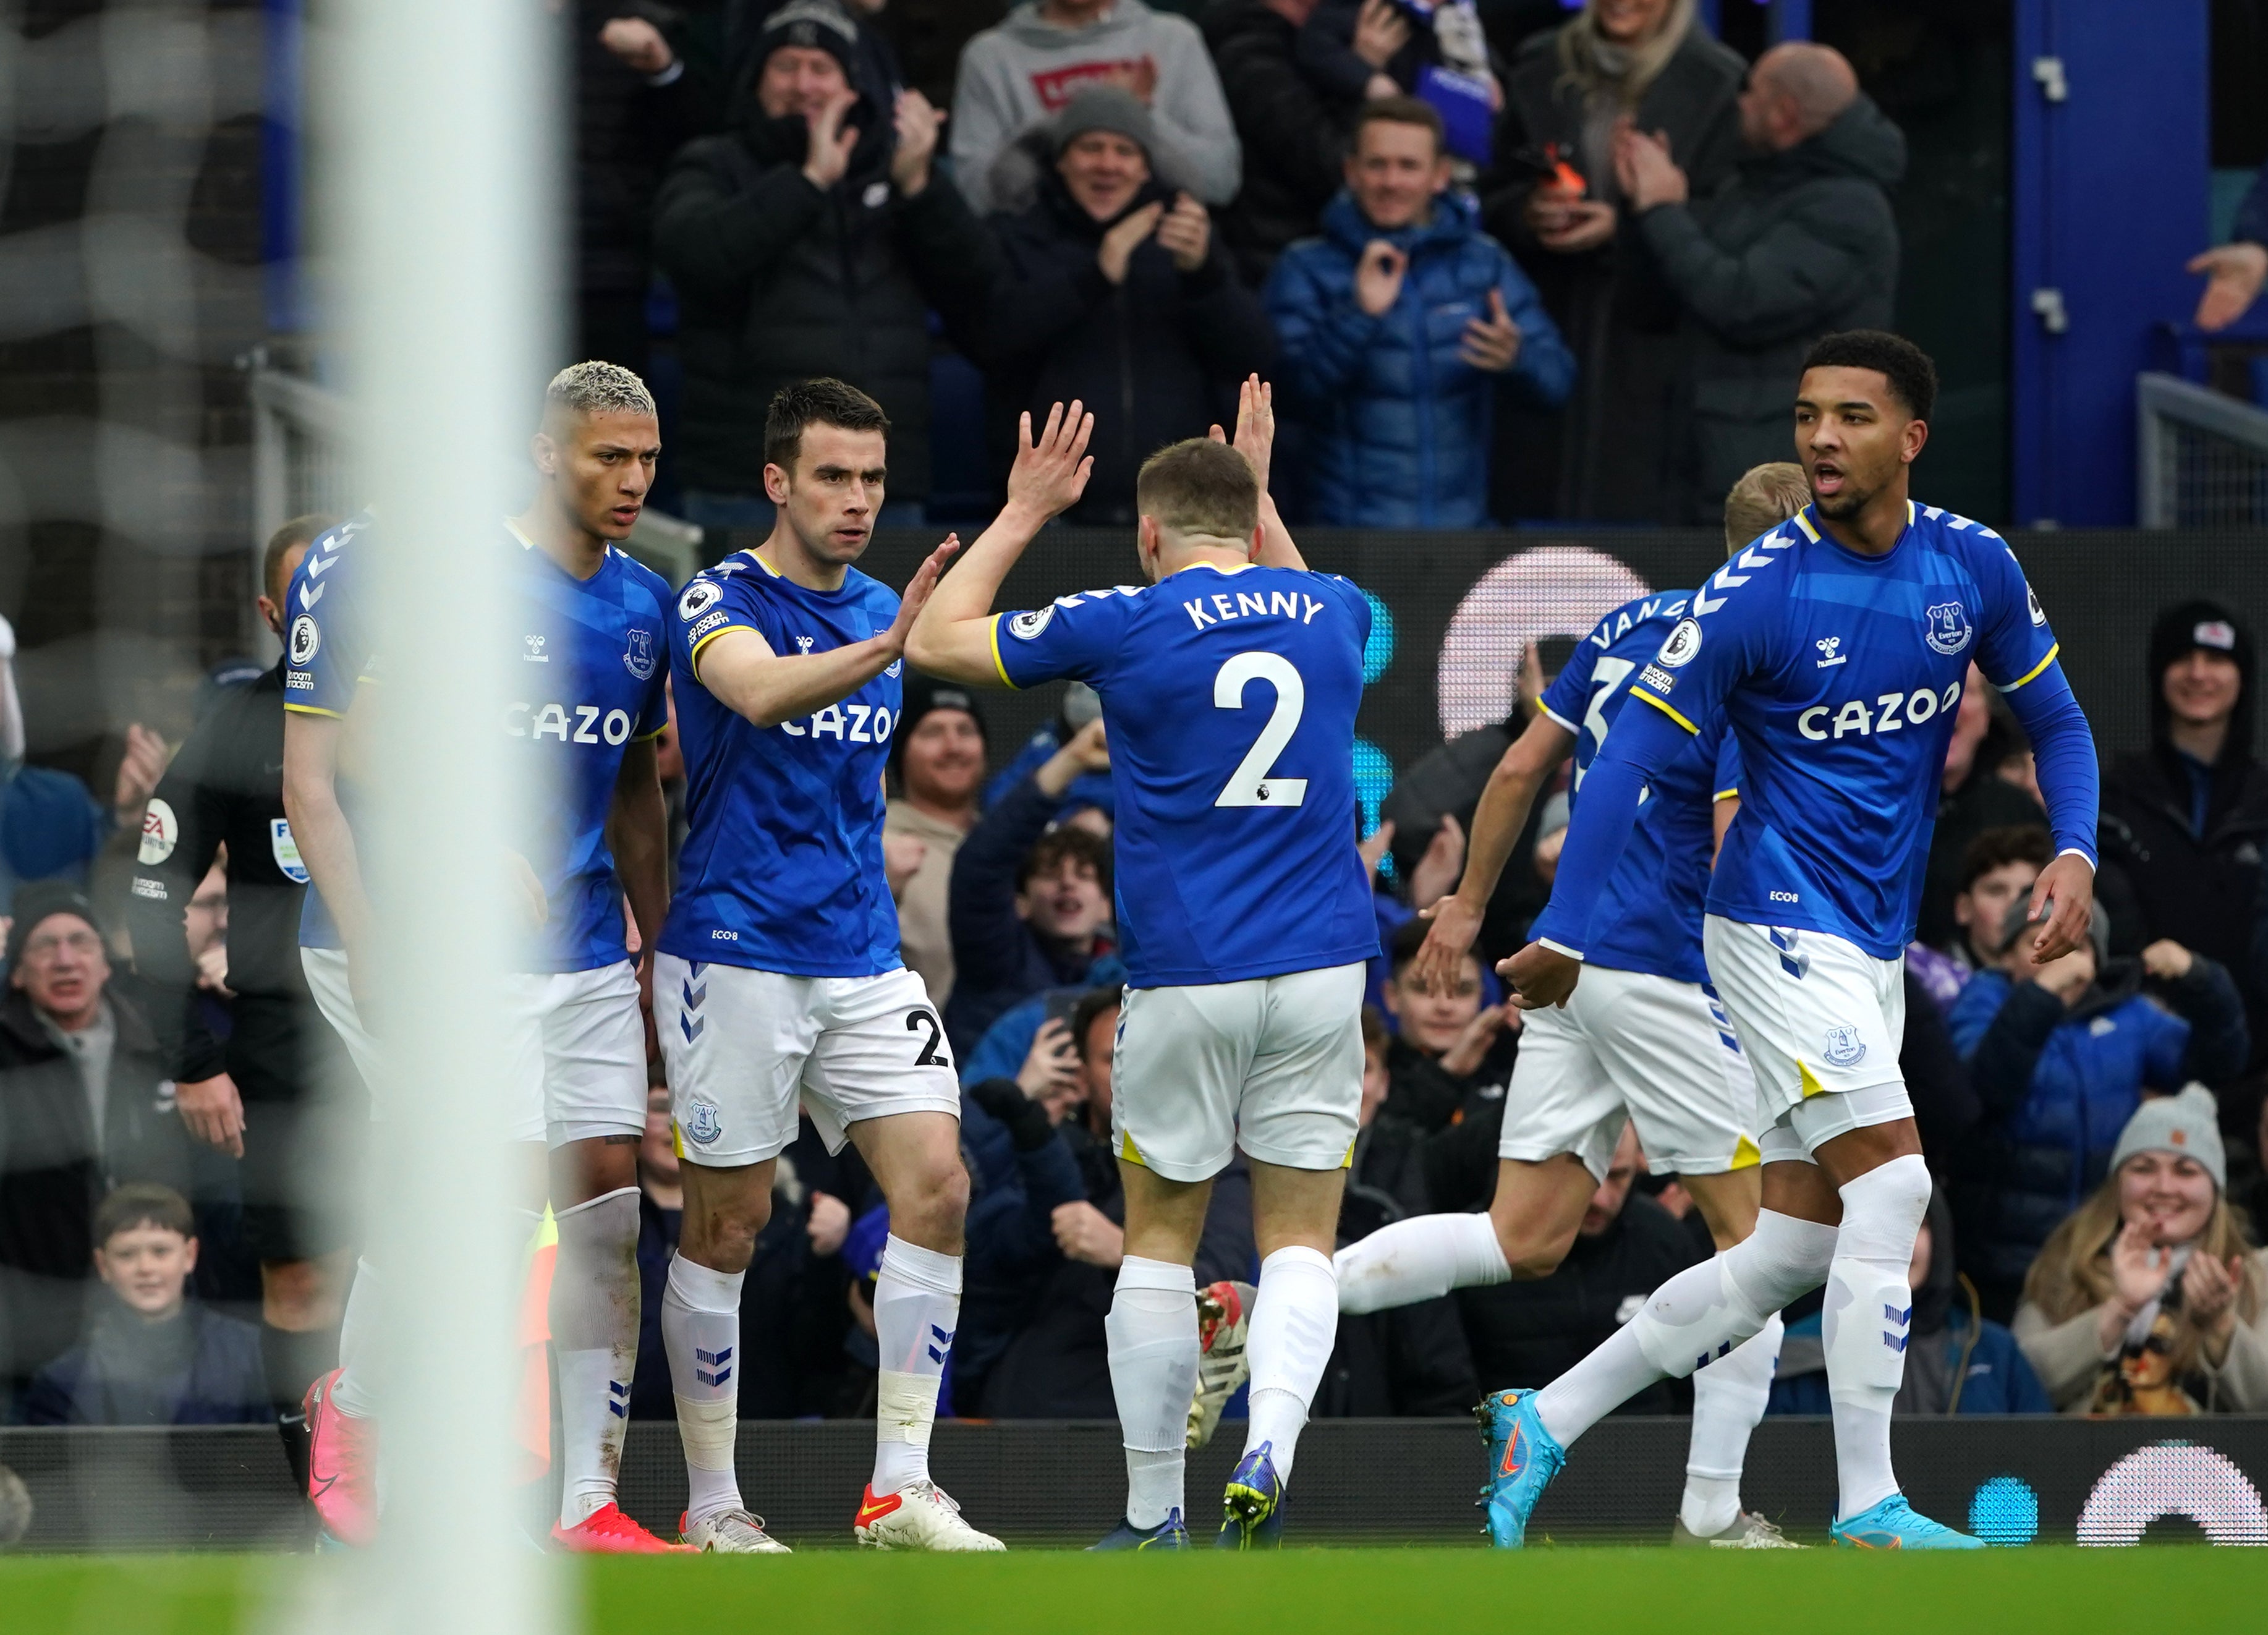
(1230, 697)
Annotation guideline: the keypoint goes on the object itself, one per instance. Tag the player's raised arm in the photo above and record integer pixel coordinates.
(1498, 822)
(749, 678)
(1255, 440)
(952, 637)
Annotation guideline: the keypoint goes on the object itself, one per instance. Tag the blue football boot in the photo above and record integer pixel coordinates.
(1252, 1506)
(1523, 1457)
(1171, 1533)
(1893, 1525)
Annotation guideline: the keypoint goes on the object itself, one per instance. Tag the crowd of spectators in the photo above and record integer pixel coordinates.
(1542, 271)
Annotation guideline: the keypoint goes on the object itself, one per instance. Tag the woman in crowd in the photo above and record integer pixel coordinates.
(2148, 1300)
(1555, 203)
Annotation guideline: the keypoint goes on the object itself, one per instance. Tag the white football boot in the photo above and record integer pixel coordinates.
(917, 1516)
(730, 1533)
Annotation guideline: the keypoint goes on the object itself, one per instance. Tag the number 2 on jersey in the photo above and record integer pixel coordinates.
(1250, 785)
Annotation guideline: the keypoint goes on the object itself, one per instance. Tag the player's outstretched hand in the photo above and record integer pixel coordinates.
(1441, 959)
(1051, 470)
(919, 591)
(1539, 977)
(2063, 896)
(1255, 426)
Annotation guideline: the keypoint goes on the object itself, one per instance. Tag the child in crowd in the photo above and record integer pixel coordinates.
(151, 1355)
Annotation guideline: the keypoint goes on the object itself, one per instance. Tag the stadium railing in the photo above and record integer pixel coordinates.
(2203, 456)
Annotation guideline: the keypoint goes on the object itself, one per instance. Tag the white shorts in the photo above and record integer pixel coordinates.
(574, 1040)
(1273, 1065)
(1823, 1022)
(1628, 1045)
(744, 1047)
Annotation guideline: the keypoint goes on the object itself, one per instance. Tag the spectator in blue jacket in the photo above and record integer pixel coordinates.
(2060, 1057)
(1399, 326)
(151, 1354)
(1958, 1361)
(1030, 900)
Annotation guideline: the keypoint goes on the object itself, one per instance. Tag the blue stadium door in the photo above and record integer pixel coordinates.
(2110, 190)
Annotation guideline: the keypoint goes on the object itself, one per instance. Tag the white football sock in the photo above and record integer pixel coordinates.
(1295, 1320)
(1418, 1259)
(1866, 1322)
(916, 1312)
(594, 1331)
(1702, 1312)
(359, 1328)
(1152, 1332)
(1729, 1397)
(700, 1331)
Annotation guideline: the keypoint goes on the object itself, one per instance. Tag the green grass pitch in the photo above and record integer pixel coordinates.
(2188, 1589)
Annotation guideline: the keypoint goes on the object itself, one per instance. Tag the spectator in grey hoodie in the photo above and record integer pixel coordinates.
(1021, 73)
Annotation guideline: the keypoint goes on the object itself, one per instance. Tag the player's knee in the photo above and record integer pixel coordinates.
(1533, 1258)
(295, 1298)
(935, 1206)
(721, 1234)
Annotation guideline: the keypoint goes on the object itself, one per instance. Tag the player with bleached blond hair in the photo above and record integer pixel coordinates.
(584, 627)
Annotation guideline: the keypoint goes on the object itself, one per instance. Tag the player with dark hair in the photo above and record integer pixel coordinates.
(584, 625)
(1244, 913)
(1643, 1040)
(1836, 650)
(779, 978)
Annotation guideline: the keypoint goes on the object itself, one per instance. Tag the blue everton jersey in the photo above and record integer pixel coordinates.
(1840, 675)
(326, 655)
(1649, 916)
(1230, 697)
(589, 678)
(781, 867)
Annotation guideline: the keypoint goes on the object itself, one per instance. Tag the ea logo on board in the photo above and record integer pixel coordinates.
(1949, 628)
(305, 638)
(1684, 642)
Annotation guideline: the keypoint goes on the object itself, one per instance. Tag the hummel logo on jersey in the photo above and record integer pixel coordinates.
(1752, 558)
(721, 1362)
(1949, 628)
(1903, 1320)
(942, 1342)
(1891, 712)
(1826, 644)
(618, 1398)
(803, 644)
(535, 653)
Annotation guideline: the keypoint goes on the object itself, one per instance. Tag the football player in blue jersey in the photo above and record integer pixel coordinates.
(1641, 1038)
(586, 626)
(1229, 683)
(1836, 647)
(779, 978)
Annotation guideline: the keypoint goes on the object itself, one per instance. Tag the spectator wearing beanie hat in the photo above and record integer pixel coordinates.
(937, 754)
(85, 1105)
(2148, 1300)
(1116, 294)
(2184, 821)
(811, 238)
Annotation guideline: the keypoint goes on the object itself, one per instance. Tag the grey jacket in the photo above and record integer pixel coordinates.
(1023, 71)
(1800, 243)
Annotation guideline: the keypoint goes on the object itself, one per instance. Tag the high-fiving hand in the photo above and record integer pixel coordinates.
(1050, 472)
(1256, 427)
